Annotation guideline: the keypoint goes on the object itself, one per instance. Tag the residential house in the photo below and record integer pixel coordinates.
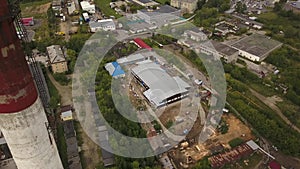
(187, 6)
(57, 59)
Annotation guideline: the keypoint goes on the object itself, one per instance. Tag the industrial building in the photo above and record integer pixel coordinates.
(160, 88)
(218, 50)
(57, 59)
(132, 59)
(23, 120)
(195, 34)
(160, 16)
(256, 47)
(105, 24)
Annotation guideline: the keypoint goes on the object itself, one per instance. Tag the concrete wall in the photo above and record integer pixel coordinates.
(27, 137)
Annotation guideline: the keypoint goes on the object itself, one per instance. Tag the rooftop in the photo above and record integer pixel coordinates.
(131, 58)
(114, 69)
(69, 129)
(56, 54)
(161, 9)
(102, 23)
(224, 49)
(67, 115)
(161, 84)
(141, 43)
(257, 44)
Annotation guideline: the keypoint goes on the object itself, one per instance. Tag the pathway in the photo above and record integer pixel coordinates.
(64, 91)
(273, 106)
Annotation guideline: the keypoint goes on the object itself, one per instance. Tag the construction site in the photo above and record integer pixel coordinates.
(179, 117)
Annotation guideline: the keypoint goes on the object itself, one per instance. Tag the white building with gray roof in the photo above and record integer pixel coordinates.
(160, 88)
(160, 16)
(105, 24)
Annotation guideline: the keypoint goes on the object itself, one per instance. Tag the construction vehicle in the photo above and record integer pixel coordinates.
(60, 33)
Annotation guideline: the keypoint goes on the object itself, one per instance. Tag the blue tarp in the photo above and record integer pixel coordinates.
(118, 70)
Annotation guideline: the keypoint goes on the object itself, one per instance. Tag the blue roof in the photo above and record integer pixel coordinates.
(118, 70)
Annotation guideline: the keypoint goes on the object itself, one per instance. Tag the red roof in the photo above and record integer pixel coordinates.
(141, 43)
(27, 21)
(274, 165)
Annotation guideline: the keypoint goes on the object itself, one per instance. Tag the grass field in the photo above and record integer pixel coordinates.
(291, 111)
(37, 9)
(105, 8)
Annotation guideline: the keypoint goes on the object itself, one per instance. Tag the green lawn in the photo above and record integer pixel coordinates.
(34, 3)
(290, 110)
(105, 8)
(274, 23)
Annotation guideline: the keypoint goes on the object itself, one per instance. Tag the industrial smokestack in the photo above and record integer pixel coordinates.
(23, 121)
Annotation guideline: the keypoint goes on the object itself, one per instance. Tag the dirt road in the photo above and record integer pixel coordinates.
(89, 148)
(269, 102)
(64, 91)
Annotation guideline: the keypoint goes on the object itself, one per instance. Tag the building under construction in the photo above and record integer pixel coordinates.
(23, 120)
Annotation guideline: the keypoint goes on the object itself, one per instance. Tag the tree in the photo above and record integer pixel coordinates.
(240, 7)
(123, 8)
(135, 165)
(200, 4)
(71, 58)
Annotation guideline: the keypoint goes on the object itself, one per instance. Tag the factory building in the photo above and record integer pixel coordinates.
(256, 47)
(160, 16)
(160, 88)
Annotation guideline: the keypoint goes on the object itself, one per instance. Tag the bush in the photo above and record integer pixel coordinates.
(61, 78)
(235, 142)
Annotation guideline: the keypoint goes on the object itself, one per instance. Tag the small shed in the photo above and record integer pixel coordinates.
(67, 115)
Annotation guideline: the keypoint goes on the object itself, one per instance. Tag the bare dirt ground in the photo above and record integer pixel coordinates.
(271, 102)
(169, 114)
(64, 27)
(41, 9)
(89, 148)
(236, 129)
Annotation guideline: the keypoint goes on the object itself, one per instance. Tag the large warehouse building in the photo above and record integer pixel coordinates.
(160, 88)
(256, 47)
